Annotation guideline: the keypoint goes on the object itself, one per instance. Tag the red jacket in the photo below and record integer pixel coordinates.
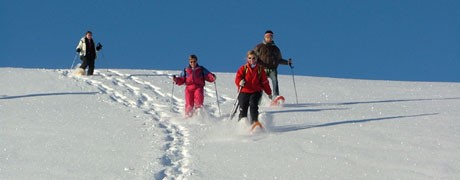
(256, 80)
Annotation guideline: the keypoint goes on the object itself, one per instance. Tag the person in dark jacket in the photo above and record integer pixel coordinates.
(252, 80)
(87, 51)
(194, 77)
(270, 57)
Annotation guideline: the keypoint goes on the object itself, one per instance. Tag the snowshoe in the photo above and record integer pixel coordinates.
(277, 101)
(255, 125)
(79, 72)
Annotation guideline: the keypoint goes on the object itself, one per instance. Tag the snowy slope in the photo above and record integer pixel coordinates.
(124, 124)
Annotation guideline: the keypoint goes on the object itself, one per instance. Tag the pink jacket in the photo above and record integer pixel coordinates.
(196, 76)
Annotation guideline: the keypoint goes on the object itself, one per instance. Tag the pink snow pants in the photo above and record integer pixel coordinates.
(193, 99)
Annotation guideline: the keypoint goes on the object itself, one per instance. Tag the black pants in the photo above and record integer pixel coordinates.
(88, 62)
(249, 100)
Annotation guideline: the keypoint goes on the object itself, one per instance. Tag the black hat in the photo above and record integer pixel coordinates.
(193, 56)
(269, 31)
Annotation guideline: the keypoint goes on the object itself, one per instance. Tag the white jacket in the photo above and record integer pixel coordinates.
(82, 46)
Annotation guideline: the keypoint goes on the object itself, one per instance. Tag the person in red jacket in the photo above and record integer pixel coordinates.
(251, 79)
(194, 77)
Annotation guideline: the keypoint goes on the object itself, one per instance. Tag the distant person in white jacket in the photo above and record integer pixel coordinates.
(87, 51)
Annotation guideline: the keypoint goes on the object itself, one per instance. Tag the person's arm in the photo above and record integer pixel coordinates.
(208, 76)
(80, 45)
(181, 79)
(239, 76)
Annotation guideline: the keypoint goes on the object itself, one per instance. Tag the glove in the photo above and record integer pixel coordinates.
(98, 46)
(242, 82)
(212, 77)
(290, 62)
(78, 50)
(270, 97)
(174, 78)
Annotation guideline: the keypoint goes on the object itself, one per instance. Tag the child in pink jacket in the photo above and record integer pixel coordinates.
(194, 77)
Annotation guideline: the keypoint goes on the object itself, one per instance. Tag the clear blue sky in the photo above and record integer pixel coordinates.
(411, 40)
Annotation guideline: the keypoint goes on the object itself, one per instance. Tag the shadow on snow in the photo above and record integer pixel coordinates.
(309, 126)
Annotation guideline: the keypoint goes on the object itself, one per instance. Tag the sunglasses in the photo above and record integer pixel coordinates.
(251, 57)
(192, 61)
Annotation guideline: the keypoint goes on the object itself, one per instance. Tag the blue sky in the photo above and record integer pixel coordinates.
(409, 40)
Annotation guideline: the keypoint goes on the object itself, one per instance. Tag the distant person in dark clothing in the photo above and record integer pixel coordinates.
(270, 57)
(87, 51)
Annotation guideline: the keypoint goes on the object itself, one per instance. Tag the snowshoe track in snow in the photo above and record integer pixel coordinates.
(141, 93)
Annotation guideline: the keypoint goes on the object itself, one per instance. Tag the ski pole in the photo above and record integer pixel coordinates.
(217, 98)
(295, 89)
(235, 105)
(71, 67)
(172, 96)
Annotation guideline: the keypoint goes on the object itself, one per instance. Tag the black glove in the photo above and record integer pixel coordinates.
(290, 62)
(98, 46)
(78, 50)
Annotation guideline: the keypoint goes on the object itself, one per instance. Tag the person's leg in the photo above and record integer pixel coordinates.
(275, 86)
(91, 63)
(274, 78)
(273, 75)
(199, 97)
(243, 100)
(84, 62)
(189, 100)
(254, 106)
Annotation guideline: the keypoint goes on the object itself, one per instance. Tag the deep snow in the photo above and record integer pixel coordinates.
(122, 124)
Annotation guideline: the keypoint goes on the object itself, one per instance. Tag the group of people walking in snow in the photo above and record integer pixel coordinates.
(251, 78)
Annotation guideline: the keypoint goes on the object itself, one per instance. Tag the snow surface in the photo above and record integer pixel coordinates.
(124, 124)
